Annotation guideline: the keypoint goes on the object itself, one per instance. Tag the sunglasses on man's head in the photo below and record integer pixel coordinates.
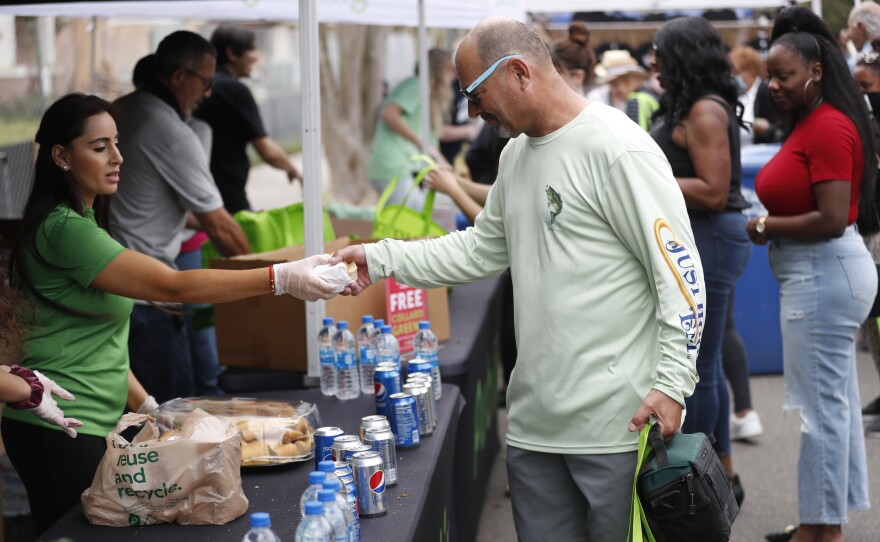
(468, 92)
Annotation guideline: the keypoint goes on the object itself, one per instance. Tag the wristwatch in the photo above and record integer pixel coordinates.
(761, 226)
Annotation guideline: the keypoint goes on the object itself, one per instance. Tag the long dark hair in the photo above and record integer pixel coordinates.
(693, 63)
(64, 121)
(803, 32)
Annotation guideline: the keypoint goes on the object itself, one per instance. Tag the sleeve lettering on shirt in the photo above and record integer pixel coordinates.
(681, 264)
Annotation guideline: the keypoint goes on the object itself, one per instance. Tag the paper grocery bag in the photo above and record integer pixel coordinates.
(189, 476)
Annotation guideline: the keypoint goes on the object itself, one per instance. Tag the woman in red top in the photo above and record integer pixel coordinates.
(812, 189)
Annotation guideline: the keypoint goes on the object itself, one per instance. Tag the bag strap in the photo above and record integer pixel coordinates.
(129, 420)
(428, 208)
(639, 530)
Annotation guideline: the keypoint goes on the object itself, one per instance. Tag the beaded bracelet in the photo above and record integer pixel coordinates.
(36, 388)
(272, 277)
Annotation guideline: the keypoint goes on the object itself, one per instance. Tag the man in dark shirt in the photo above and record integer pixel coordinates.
(235, 119)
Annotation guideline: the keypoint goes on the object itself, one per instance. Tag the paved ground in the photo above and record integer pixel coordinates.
(766, 466)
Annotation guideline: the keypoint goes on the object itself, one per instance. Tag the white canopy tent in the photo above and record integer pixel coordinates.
(564, 6)
(421, 13)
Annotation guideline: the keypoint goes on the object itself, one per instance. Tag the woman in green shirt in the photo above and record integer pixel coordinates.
(81, 283)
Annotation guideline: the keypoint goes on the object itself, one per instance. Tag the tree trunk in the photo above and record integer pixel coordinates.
(349, 101)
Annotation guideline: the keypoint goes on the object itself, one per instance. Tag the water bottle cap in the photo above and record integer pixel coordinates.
(314, 508)
(367, 319)
(332, 485)
(424, 324)
(326, 466)
(328, 321)
(378, 322)
(317, 477)
(325, 495)
(342, 325)
(386, 329)
(260, 519)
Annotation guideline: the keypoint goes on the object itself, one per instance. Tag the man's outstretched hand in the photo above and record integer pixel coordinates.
(358, 255)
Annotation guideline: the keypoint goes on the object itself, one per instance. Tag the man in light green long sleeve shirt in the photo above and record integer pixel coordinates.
(608, 285)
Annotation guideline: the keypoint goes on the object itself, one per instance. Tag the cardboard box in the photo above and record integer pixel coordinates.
(352, 228)
(269, 332)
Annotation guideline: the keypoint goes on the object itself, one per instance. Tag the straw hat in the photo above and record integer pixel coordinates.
(617, 63)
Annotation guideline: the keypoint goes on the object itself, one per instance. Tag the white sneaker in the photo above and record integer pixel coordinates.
(746, 427)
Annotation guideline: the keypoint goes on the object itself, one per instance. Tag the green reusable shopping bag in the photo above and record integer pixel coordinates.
(271, 230)
(399, 221)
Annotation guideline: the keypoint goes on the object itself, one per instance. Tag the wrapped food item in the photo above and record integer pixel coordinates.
(271, 432)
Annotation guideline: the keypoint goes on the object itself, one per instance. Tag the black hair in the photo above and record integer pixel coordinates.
(64, 121)
(693, 63)
(237, 38)
(804, 33)
(181, 49)
(144, 72)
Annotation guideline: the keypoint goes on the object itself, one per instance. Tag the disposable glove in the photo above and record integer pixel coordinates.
(48, 409)
(148, 406)
(300, 280)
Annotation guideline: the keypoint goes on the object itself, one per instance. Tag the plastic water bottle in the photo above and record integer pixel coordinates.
(329, 470)
(367, 354)
(352, 521)
(314, 527)
(374, 336)
(328, 357)
(260, 529)
(333, 514)
(425, 347)
(316, 482)
(387, 348)
(348, 381)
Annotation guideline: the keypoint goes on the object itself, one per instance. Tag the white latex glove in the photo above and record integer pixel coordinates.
(337, 275)
(300, 280)
(48, 411)
(148, 406)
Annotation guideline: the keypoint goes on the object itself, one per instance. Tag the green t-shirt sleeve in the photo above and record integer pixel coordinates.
(406, 96)
(77, 245)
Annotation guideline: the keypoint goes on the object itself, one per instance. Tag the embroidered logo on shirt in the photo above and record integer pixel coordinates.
(554, 207)
(682, 265)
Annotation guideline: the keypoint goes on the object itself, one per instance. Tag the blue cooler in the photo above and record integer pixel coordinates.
(756, 308)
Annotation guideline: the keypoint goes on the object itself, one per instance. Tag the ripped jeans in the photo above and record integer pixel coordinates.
(826, 290)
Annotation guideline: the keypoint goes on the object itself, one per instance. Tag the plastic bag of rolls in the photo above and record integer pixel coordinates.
(271, 432)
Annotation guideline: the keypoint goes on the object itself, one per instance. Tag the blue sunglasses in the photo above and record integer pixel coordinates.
(468, 92)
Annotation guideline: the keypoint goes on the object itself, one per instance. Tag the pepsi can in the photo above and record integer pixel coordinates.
(382, 441)
(369, 422)
(342, 443)
(386, 381)
(351, 450)
(369, 479)
(404, 420)
(323, 443)
(432, 403)
(421, 394)
(418, 366)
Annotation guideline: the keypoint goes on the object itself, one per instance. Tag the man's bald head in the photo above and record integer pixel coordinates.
(500, 36)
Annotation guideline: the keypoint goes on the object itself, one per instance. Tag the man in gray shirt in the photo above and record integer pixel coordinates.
(166, 177)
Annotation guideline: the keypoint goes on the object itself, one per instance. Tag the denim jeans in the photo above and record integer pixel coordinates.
(158, 350)
(826, 290)
(724, 249)
(202, 340)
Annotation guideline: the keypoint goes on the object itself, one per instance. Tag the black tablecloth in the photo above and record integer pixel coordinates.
(419, 506)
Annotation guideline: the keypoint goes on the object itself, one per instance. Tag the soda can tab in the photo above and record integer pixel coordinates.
(382, 441)
(369, 478)
(342, 443)
(351, 450)
(323, 443)
(404, 420)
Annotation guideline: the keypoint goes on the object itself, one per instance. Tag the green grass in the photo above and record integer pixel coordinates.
(18, 131)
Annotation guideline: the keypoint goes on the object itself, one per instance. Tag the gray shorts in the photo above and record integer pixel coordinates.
(570, 497)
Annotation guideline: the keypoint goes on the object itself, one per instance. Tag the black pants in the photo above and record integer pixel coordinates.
(54, 468)
(158, 350)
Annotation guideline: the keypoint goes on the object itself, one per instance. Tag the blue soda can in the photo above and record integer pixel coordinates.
(387, 382)
(418, 366)
(351, 450)
(369, 476)
(324, 443)
(342, 443)
(404, 420)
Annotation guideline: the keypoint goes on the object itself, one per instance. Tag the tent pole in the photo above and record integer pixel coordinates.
(424, 80)
(311, 152)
